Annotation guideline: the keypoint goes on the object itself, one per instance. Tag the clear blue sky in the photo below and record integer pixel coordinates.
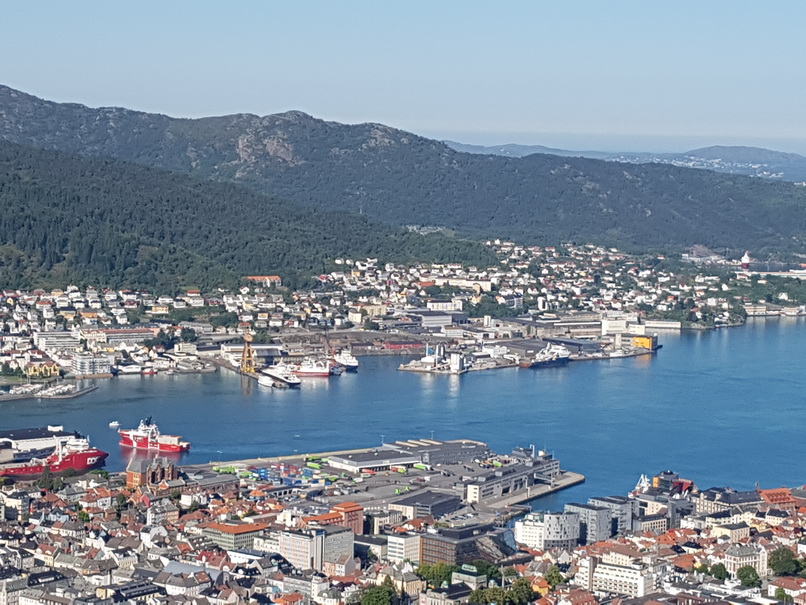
(620, 75)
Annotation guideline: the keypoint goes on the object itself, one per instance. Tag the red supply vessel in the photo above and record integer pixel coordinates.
(147, 436)
(28, 452)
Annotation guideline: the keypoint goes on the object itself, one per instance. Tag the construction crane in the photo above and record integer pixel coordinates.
(247, 356)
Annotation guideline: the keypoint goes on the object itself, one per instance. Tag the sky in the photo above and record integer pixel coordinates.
(593, 75)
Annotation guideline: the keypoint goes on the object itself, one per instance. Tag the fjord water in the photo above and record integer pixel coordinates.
(723, 408)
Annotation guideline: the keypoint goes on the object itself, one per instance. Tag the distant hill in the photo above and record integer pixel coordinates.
(748, 161)
(514, 150)
(68, 219)
(402, 178)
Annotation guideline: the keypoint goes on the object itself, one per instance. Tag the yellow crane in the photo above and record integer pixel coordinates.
(248, 355)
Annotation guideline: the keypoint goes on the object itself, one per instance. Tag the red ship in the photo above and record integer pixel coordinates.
(147, 436)
(28, 452)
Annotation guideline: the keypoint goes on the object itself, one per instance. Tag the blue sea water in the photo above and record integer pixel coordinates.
(722, 408)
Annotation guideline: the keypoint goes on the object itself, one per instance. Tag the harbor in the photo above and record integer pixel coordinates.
(229, 417)
(463, 475)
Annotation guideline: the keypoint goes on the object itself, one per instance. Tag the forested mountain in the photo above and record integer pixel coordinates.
(406, 179)
(67, 218)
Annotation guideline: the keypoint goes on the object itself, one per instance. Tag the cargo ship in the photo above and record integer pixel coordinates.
(147, 436)
(28, 452)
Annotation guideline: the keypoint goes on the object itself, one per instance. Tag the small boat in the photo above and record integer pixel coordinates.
(114, 424)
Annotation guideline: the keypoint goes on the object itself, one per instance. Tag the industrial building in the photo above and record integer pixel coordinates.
(427, 503)
(528, 468)
(408, 453)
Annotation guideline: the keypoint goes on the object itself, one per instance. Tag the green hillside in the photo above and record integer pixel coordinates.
(68, 219)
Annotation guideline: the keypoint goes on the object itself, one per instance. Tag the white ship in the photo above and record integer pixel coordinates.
(278, 373)
(311, 367)
(347, 360)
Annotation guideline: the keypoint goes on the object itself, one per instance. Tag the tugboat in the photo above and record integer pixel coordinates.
(147, 436)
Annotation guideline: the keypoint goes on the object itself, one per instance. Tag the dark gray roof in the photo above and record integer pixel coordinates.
(426, 498)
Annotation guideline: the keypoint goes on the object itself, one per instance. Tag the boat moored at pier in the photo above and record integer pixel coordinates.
(147, 436)
(29, 452)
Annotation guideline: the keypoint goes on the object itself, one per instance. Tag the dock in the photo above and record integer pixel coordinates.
(565, 480)
(375, 477)
(425, 368)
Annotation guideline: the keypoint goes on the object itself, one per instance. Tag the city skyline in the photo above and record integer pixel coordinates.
(631, 76)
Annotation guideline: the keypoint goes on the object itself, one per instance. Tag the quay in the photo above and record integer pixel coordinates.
(621, 354)
(493, 364)
(480, 482)
(564, 480)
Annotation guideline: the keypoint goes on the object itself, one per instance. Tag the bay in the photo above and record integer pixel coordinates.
(722, 408)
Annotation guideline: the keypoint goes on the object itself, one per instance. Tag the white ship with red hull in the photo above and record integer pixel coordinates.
(147, 436)
(28, 452)
(311, 367)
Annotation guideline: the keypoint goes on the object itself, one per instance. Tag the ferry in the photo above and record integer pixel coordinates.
(147, 436)
(346, 360)
(278, 373)
(28, 452)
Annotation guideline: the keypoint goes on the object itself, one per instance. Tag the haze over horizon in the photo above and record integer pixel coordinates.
(630, 76)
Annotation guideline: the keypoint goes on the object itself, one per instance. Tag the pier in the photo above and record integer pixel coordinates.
(489, 484)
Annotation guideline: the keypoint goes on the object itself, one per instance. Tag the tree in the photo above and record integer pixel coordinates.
(46, 480)
(437, 573)
(495, 594)
(782, 595)
(83, 516)
(719, 571)
(478, 597)
(377, 595)
(748, 576)
(554, 576)
(520, 592)
(188, 335)
(782, 561)
(703, 569)
(491, 571)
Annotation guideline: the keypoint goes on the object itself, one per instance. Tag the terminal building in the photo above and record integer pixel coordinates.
(527, 468)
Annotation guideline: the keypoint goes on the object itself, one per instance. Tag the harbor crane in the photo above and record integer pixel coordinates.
(248, 356)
